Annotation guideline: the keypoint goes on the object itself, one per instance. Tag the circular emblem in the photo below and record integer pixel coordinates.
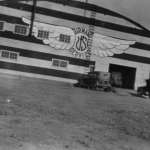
(81, 47)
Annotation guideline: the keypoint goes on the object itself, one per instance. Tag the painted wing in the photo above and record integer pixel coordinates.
(105, 46)
(56, 34)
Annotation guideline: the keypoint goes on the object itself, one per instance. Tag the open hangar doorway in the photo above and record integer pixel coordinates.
(123, 76)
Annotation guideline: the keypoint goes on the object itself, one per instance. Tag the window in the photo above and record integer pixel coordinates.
(55, 62)
(9, 55)
(63, 64)
(13, 55)
(19, 29)
(43, 34)
(1, 25)
(59, 63)
(64, 38)
(5, 54)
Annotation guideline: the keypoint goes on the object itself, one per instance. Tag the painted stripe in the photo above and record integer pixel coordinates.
(46, 64)
(142, 46)
(6, 42)
(74, 61)
(93, 7)
(133, 58)
(81, 12)
(39, 70)
(138, 52)
(6, 34)
(32, 46)
(80, 19)
(18, 74)
(80, 62)
(47, 56)
(137, 45)
(71, 24)
(11, 19)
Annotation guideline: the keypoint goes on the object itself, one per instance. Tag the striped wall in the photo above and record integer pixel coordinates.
(37, 58)
(138, 52)
(33, 53)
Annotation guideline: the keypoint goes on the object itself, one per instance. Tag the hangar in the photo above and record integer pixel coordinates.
(62, 40)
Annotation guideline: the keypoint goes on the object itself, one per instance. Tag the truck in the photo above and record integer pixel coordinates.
(144, 91)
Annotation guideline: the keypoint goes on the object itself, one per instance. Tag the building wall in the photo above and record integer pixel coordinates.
(137, 56)
(142, 69)
(34, 56)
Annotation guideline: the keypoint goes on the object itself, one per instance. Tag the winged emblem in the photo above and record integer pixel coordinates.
(65, 38)
(104, 46)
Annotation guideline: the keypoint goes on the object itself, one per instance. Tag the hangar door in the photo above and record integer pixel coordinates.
(125, 75)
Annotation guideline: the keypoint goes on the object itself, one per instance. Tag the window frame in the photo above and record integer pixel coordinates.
(27, 29)
(3, 28)
(43, 33)
(59, 64)
(13, 58)
(65, 38)
(9, 55)
(4, 55)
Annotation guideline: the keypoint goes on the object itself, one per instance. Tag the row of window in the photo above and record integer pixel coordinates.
(42, 34)
(59, 63)
(14, 56)
(18, 29)
(9, 54)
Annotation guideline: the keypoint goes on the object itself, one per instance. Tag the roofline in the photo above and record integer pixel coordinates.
(90, 7)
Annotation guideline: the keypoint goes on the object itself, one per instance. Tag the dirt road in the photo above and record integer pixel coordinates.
(47, 115)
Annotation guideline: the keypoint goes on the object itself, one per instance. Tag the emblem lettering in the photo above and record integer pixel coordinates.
(81, 43)
(81, 46)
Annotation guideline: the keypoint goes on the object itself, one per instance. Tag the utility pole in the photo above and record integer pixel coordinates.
(33, 11)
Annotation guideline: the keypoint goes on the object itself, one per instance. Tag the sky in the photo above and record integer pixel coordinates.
(137, 10)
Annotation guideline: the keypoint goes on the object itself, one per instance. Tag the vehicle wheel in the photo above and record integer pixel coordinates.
(140, 91)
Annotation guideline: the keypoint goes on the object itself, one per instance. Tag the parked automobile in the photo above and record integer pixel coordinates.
(95, 80)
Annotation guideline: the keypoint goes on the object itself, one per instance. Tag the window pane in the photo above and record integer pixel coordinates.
(9, 55)
(13, 55)
(64, 38)
(63, 63)
(5, 54)
(59, 63)
(43, 34)
(55, 62)
(20, 29)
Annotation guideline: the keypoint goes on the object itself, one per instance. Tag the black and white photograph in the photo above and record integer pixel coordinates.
(74, 75)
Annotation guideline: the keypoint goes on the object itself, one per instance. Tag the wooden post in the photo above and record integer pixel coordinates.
(33, 11)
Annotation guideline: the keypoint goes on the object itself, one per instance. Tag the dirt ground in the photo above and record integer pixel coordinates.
(39, 114)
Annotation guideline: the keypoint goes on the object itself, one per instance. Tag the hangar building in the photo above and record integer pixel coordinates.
(53, 39)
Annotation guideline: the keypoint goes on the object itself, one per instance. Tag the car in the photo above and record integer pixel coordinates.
(95, 80)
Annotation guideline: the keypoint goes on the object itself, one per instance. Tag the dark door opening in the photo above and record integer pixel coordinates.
(126, 75)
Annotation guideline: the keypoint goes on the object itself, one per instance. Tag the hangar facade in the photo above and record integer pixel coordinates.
(32, 54)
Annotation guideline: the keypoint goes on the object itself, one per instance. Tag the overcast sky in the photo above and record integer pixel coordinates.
(138, 10)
